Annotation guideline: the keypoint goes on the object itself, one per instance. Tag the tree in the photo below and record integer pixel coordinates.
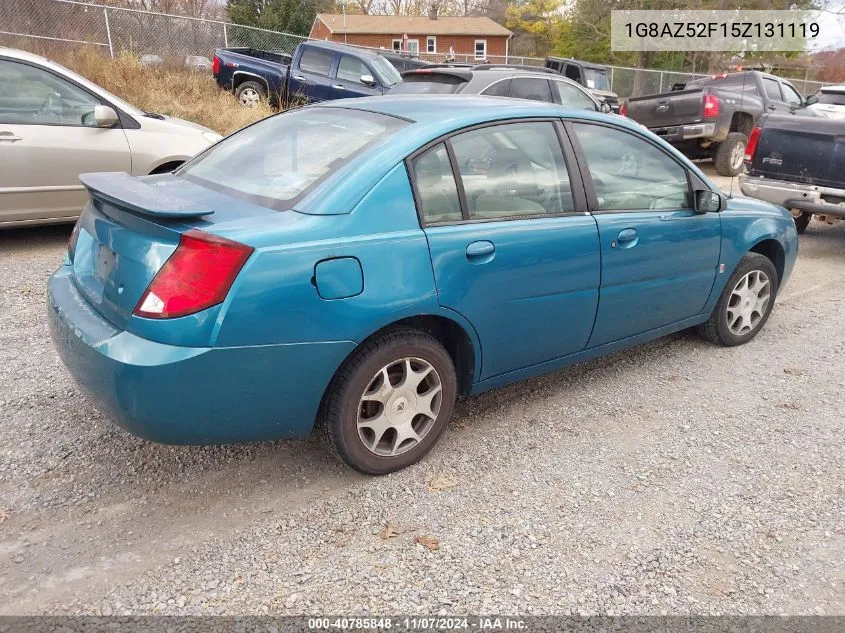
(536, 24)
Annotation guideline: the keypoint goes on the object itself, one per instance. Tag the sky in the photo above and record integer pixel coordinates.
(832, 27)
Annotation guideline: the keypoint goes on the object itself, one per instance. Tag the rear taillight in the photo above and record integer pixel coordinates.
(752, 144)
(623, 109)
(215, 65)
(709, 106)
(196, 276)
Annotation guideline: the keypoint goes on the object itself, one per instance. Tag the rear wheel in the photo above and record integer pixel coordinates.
(745, 304)
(389, 402)
(250, 93)
(729, 154)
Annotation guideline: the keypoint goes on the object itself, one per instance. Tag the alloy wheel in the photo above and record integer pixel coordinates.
(399, 406)
(748, 302)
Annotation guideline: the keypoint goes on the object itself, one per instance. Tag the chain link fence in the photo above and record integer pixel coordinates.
(44, 25)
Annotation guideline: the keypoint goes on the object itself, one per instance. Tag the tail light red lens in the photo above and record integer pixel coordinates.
(71, 243)
(623, 109)
(215, 65)
(709, 106)
(752, 144)
(196, 276)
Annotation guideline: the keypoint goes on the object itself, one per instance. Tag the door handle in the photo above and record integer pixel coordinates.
(339, 87)
(481, 250)
(299, 78)
(627, 238)
(10, 137)
(772, 107)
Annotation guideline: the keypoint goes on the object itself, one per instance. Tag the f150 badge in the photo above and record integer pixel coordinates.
(774, 159)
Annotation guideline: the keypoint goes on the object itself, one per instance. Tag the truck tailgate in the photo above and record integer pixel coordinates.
(800, 149)
(667, 109)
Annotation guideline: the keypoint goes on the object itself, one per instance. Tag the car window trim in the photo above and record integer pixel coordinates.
(584, 168)
(126, 121)
(576, 184)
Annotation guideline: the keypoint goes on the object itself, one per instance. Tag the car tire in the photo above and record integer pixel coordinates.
(736, 319)
(372, 418)
(802, 221)
(729, 154)
(250, 94)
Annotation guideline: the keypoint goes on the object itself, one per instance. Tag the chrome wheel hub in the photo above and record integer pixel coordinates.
(748, 302)
(250, 97)
(399, 406)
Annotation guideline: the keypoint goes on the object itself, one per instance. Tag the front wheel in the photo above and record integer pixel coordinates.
(389, 402)
(745, 304)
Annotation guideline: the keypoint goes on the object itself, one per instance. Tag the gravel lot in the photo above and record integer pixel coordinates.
(677, 477)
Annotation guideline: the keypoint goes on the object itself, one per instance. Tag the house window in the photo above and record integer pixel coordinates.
(481, 49)
(397, 45)
(431, 44)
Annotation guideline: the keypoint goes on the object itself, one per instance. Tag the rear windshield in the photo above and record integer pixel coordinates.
(432, 84)
(832, 98)
(279, 160)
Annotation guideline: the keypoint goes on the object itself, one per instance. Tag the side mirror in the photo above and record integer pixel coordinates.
(810, 100)
(368, 80)
(105, 116)
(605, 107)
(707, 201)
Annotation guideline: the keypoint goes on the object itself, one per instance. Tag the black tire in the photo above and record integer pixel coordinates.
(802, 221)
(247, 88)
(337, 420)
(716, 329)
(725, 153)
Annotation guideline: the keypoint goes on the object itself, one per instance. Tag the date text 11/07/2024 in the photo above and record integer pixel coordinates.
(487, 623)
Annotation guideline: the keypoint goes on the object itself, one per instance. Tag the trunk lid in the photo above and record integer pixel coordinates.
(679, 107)
(800, 149)
(130, 227)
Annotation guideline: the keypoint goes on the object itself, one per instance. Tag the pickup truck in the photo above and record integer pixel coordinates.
(713, 116)
(317, 71)
(592, 76)
(798, 164)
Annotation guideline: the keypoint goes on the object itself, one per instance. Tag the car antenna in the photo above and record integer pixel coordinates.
(741, 98)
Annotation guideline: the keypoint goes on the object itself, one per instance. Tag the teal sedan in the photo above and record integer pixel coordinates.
(355, 267)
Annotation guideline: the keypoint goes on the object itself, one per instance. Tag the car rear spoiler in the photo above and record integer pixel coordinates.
(121, 189)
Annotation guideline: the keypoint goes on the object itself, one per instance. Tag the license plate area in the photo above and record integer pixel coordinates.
(104, 259)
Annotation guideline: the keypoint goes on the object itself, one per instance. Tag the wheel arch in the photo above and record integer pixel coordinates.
(240, 76)
(774, 252)
(742, 122)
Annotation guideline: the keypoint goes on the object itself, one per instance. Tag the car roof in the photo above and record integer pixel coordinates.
(335, 46)
(577, 61)
(839, 88)
(22, 55)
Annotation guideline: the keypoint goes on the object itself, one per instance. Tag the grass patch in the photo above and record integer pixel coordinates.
(176, 92)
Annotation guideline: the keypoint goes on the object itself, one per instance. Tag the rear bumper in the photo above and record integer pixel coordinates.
(189, 395)
(792, 195)
(677, 133)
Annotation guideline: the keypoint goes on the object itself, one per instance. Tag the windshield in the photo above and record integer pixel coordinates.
(277, 161)
(832, 98)
(596, 79)
(432, 84)
(386, 71)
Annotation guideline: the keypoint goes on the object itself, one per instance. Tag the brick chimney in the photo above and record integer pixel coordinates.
(432, 11)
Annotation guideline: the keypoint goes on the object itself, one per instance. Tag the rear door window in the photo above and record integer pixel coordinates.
(532, 88)
(317, 61)
(772, 88)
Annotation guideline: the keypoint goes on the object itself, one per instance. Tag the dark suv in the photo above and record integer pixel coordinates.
(499, 81)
